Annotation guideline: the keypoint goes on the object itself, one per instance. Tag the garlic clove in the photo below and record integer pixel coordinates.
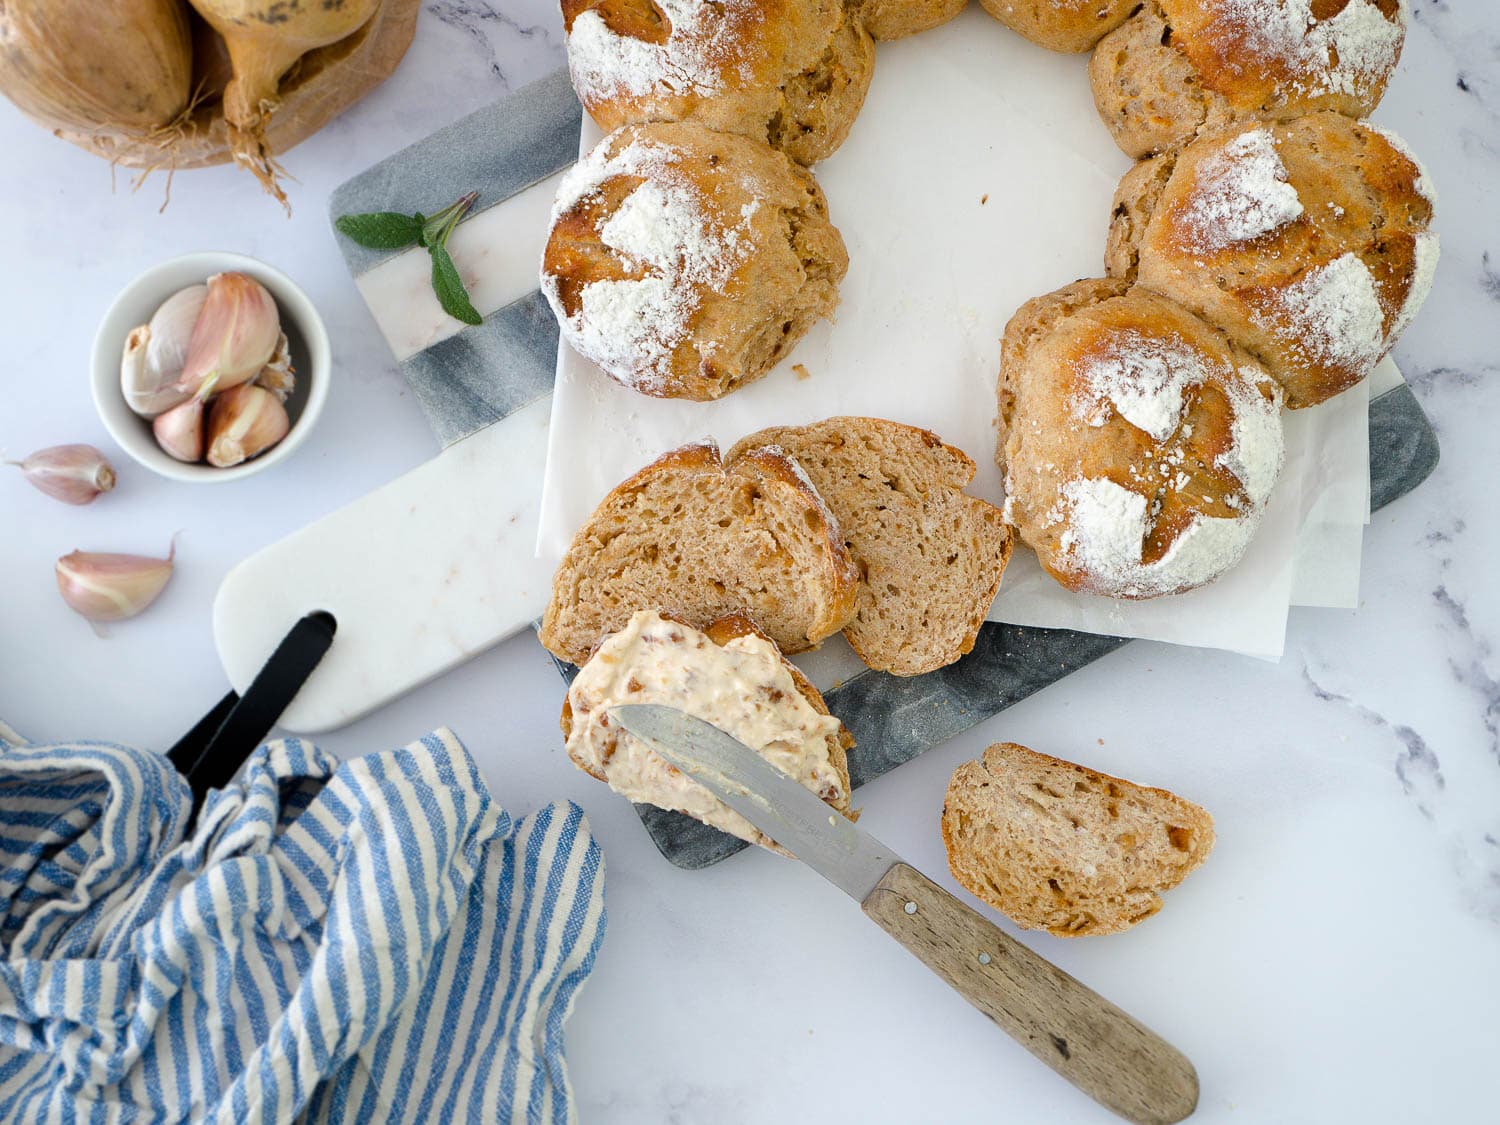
(155, 353)
(111, 587)
(234, 336)
(278, 375)
(244, 422)
(180, 431)
(74, 474)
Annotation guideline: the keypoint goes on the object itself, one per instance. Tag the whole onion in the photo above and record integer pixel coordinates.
(120, 68)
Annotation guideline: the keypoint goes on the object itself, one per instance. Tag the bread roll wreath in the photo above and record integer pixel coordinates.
(1267, 250)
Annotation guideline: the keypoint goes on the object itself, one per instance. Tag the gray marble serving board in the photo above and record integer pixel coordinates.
(893, 719)
(485, 374)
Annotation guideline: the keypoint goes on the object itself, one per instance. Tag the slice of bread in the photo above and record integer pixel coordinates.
(930, 557)
(1066, 849)
(657, 658)
(702, 541)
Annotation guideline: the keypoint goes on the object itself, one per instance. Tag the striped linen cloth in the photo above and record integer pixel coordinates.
(371, 941)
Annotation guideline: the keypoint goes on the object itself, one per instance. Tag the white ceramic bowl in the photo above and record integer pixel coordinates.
(305, 334)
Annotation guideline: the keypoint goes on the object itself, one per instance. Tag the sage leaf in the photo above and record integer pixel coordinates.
(449, 287)
(381, 230)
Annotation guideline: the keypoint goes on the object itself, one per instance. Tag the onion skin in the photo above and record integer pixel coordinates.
(113, 68)
(265, 38)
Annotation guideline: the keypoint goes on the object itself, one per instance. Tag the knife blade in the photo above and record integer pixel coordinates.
(1104, 1052)
(852, 860)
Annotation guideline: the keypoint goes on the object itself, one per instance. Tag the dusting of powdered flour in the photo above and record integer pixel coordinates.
(1345, 54)
(1105, 524)
(1332, 315)
(707, 43)
(1423, 184)
(1240, 192)
(1424, 268)
(661, 232)
(1144, 378)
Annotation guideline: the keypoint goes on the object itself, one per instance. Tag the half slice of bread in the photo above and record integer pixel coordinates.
(930, 557)
(702, 541)
(729, 674)
(1066, 849)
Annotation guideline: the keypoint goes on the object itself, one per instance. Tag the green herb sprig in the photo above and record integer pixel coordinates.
(391, 230)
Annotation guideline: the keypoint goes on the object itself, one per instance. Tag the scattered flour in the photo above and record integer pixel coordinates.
(707, 41)
(1241, 192)
(1333, 315)
(1424, 185)
(1106, 524)
(1423, 270)
(631, 327)
(1144, 378)
(1346, 54)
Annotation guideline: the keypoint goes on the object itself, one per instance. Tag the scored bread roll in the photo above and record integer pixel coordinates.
(1141, 446)
(791, 73)
(1071, 26)
(731, 675)
(1178, 66)
(1305, 240)
(1059, 847)
(930, 557)
(686, 263)
(704, 541)
(896, 19)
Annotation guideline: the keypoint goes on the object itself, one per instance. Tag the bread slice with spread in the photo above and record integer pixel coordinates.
(930, 556)
(701, 540)
(729, 674)
(1066, 849)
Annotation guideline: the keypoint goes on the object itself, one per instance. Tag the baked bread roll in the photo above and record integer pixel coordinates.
(1178, 66)
(730, 675)
(1141, 445)
(896, 19)
(1306, 241)
(1072, 26)
(704, 541)
(1060, 847)
(792, 73)
(930, 557)
(686, 263)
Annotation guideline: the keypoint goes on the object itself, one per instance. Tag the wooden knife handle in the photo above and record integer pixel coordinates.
(1070, 1027)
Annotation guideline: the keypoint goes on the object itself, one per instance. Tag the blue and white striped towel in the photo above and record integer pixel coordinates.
(371, 941)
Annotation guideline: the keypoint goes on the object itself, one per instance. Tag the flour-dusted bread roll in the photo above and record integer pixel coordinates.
(729, 674)
(1306, 240)
(930, 557)
(1072, 26)
(792, 73)
(896, 19)
(703, 541)
(1178, 66)
(685, 262)
(1141, 445)
(1060, 847)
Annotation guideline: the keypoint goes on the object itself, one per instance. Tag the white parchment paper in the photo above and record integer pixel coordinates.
(977, 177)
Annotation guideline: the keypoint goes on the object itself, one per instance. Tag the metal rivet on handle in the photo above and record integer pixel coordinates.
(984, 958)
(911, 908)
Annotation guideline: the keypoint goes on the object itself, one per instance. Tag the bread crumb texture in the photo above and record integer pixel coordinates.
(1060, 847)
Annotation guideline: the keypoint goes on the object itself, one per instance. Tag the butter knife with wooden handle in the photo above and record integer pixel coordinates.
(1117, 1061)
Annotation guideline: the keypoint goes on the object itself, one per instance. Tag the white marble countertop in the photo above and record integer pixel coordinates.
(1338, 957)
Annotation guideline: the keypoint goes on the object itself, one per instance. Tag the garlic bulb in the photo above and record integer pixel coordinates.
(244, 422)
(234, 336)
(278, 375)
(156, 351)
(110, 587)
(74, 474)
(180, 431)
